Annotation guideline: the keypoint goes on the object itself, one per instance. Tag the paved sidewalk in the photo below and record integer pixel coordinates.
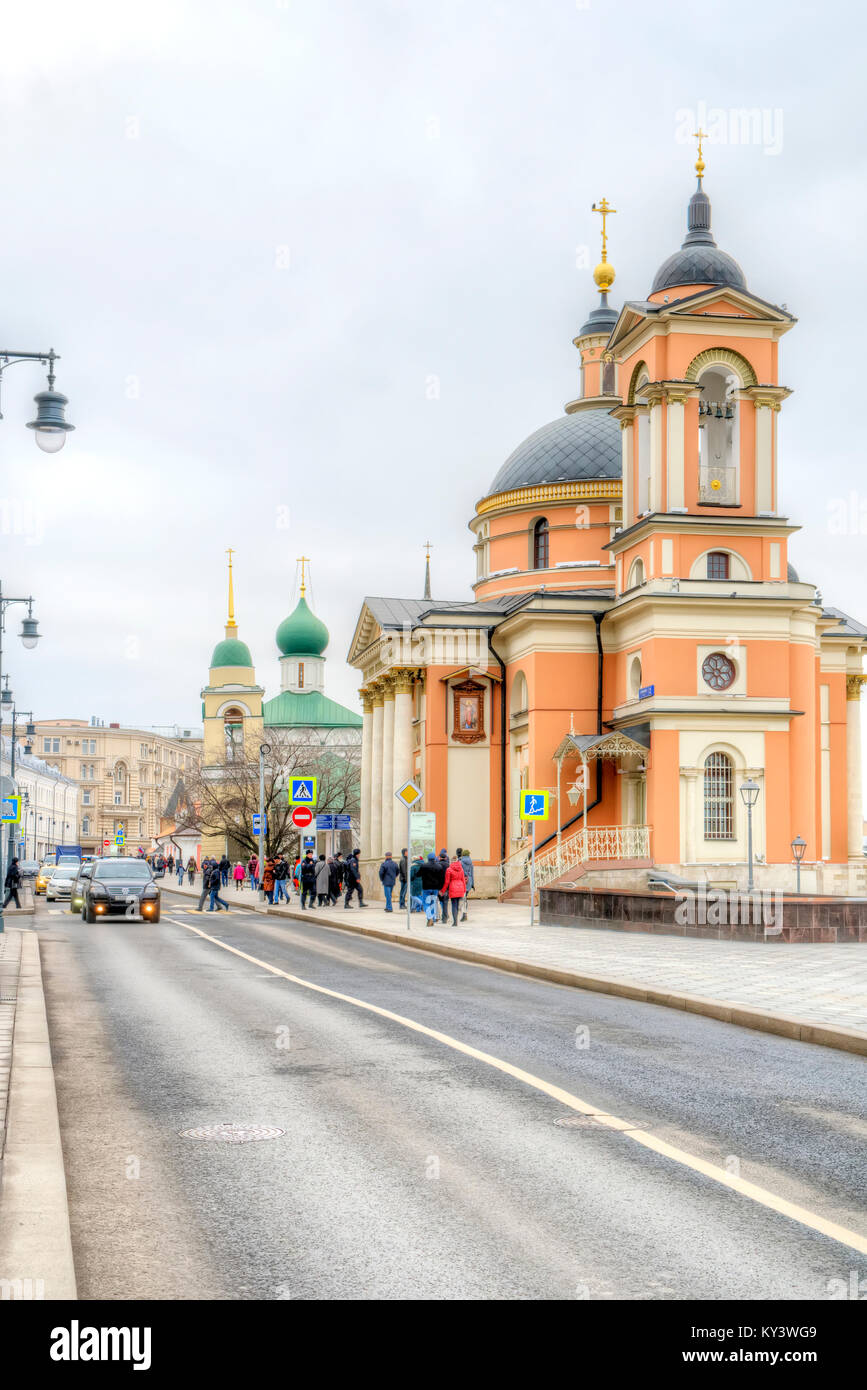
(820, 984)
(10, 962)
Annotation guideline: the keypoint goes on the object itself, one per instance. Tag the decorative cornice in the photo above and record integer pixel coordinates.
(602, 490)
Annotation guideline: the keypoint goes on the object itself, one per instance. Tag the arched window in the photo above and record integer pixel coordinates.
(636, 574)
(719, 445)
(718, 797)
(233, 721)
(634, 677)
(717, 564)
(608, 381)
(540, 544)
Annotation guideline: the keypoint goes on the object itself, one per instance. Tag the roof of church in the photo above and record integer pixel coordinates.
(308, 709)
(231, 652)
(847, 626)
(302, 633)
(699, 260)
(585, 445)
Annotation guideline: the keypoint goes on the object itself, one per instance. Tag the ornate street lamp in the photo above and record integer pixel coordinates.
(799, 849)
(750, 795)
(50, 426)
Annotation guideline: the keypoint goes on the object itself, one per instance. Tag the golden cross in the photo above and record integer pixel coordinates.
(428, 547)
(303, 560)
(605, 210)
(699, 135)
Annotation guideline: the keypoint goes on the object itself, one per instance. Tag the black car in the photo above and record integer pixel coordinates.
(118, 888)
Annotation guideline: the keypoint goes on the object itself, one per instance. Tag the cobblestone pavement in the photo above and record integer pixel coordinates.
(816, 983)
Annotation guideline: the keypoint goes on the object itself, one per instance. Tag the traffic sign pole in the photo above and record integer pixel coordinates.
(533, 878)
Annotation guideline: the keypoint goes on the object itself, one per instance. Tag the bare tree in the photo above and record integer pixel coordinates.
(227, 797)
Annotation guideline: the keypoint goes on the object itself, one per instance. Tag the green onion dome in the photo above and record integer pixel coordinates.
(231, 652)
(302, 634)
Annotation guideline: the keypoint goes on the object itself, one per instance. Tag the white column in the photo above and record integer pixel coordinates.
(764, 456)
(655, 456)
(690, 777)
(853, 766)
(402, 728)
(388, 801)
(627, 432)
(376, 778)
(675, 434)
(366, 773)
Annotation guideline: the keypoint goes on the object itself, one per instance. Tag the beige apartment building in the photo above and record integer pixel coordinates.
(126, 776)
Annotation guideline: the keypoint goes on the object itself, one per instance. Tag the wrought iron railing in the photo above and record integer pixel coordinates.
(594, 842)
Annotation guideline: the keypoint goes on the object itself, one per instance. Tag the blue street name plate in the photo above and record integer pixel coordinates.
(325, 823)
(342, 822)
(646, 691)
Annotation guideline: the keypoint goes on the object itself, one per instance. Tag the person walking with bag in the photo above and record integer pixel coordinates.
(268, 879)
(466, 861)
(12, 884)
(454, 888)
(239, 873)
(253, 871)
(404, 877)
(432, 878)
(191, 869)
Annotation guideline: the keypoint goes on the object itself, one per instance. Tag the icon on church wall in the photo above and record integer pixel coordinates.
(469, 712)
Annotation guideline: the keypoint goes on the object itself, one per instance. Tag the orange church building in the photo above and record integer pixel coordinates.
(638, 642)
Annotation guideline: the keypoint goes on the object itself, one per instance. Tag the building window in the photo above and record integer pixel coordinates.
(85, 825)
(717, 565)
(85, 799)
(300, 675)
(718, 797)
(540, 544)
(718, 671)
(118, 798)
(46, 745)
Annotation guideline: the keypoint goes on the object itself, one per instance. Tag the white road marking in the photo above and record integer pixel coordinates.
(757, 1194)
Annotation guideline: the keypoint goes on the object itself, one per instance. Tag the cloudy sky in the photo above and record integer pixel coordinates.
(314, 267)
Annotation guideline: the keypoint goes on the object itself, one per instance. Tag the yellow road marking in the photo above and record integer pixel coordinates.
(757, 1194)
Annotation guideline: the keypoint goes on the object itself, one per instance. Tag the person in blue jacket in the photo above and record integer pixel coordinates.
(388, 874)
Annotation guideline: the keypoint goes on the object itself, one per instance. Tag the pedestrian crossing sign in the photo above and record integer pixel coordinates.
(303, 791)
(534, 805)
(10, 810)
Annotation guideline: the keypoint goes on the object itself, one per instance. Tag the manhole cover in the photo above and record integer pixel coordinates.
(233, 1134)
(576, 1121)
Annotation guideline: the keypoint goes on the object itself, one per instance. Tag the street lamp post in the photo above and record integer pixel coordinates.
(750, 795)
(263, 749)
(29, 637)
(799, 848)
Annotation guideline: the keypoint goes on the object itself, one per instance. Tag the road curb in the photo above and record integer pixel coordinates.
(724, 1010)
(35, 1243)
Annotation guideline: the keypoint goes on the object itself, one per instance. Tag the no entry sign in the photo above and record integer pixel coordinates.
(302, 816)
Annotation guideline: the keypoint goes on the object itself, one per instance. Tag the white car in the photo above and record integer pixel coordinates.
(60, 883)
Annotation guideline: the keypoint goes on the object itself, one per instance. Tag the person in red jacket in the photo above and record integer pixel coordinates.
(455, 887)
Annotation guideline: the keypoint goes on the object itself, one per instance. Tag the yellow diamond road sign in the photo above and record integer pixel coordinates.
(409, 794)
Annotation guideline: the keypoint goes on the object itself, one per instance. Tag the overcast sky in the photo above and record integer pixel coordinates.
(314, 269)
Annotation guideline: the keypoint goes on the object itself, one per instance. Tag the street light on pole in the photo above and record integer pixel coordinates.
(50, 427)
(750, 795)
(29, 636)
(799, 849)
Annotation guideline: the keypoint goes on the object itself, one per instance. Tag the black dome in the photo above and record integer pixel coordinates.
(699, 260)
(574, 447)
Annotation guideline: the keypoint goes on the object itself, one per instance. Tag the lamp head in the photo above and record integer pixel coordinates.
(750, 792)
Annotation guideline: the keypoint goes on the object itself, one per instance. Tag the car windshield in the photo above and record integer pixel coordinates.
(65, 871)
(68, 863)
(132, 869)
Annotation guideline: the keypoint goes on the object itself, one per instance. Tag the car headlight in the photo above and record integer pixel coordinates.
(97, 891)
(151, 891)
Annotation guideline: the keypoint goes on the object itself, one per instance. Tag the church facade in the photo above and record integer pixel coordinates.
(638, 642)
(237, 717)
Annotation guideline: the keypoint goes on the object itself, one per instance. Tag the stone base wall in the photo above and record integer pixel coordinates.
(786, 919)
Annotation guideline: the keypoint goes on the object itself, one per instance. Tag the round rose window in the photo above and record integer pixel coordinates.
(718, 671)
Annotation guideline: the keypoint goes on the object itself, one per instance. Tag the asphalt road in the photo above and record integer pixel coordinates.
(410, 1168)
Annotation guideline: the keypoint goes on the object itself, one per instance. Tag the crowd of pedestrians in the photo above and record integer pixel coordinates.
(435, 882)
